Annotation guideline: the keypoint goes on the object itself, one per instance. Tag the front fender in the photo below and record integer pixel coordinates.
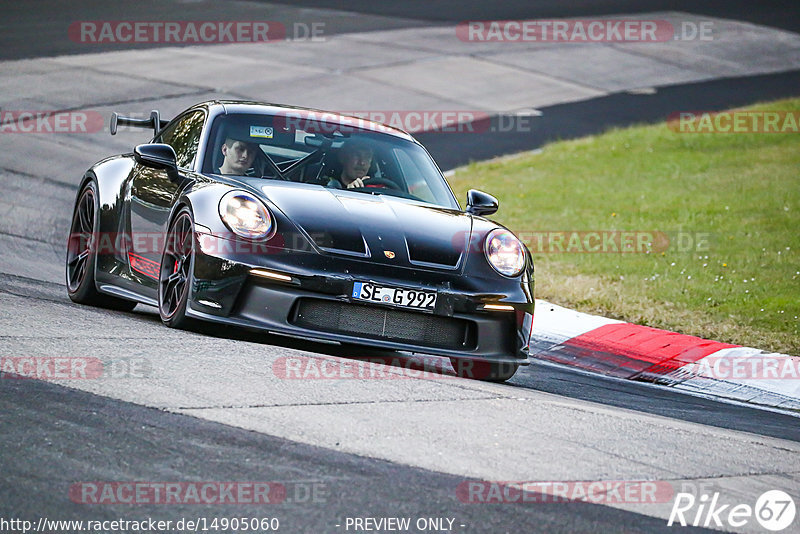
(110, 175)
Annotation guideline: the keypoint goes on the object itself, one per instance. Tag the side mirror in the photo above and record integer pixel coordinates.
(480, 203)
(157, 156)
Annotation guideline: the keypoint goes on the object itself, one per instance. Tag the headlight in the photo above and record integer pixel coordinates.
(245, 215)
(505, 252)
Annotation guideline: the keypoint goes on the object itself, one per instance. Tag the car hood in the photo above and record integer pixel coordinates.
(383, 228)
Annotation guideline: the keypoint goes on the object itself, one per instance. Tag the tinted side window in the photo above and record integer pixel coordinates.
(183, 136)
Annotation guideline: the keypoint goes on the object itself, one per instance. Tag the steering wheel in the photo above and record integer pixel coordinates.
(383, 182)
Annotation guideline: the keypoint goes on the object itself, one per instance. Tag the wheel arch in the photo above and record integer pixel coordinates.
(110, 176)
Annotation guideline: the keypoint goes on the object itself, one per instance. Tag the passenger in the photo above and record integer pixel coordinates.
(355, 158)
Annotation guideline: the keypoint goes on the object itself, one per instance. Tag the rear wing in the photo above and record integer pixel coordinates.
(155, 122)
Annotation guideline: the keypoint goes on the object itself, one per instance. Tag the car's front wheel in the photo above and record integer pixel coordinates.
(175, 275)
(81, 258)
(482, 370)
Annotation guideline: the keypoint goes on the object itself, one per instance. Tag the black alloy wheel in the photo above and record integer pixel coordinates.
(175, 275)
(81, 257)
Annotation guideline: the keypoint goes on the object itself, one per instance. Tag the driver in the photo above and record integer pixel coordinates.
(356, 158)
(239, 154)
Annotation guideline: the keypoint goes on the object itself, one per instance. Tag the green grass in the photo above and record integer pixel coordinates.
(743, 190)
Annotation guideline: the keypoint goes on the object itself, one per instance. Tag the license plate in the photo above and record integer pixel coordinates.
(417, 299)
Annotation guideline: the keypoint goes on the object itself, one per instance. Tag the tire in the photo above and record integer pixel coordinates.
(175, 275)
(81, 260)
(482, 370)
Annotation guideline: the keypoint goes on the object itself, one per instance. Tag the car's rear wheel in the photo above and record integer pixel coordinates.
(82, 254)
(175, 275)
(481, 370)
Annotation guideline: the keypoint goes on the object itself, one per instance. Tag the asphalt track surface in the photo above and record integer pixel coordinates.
(61, 438)
(588, 117)
(27, 33)
(54, 436)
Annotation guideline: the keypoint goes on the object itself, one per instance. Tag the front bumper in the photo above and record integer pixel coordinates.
(311, 297)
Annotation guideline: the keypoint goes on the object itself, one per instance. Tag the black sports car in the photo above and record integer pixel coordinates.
(301, 222)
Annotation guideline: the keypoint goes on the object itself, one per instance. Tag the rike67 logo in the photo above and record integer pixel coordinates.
(774, 510)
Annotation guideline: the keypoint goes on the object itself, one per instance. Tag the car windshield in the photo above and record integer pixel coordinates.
(330, 154)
